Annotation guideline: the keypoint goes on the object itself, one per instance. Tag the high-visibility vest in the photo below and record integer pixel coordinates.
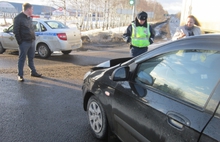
(140, 36)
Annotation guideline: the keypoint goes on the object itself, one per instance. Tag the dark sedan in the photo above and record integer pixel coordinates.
(169, 94)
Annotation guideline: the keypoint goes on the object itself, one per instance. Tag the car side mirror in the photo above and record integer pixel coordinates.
(120, 74)
(5, 30)
(145, 78)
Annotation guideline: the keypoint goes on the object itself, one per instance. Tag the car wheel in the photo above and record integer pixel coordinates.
(66, 52)
(97, 118)
(2, 50)
(43, 51)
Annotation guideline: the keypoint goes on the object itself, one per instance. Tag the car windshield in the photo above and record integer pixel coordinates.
(56, 25)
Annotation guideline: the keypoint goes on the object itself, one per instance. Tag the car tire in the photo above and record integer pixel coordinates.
(66, 52)
(43, 50)
(2, 50)
(97, 118)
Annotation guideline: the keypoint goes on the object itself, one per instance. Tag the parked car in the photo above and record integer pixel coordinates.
(169, 94)
(51, 36)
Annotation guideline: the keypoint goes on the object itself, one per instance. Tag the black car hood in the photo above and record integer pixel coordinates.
(111, 63)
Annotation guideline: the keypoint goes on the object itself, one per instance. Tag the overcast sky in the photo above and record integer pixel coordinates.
(172, 6)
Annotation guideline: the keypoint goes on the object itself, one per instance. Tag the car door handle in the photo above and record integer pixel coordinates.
(175, 124)
(177, 120)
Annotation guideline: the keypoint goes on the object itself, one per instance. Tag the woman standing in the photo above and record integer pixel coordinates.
(189, 29)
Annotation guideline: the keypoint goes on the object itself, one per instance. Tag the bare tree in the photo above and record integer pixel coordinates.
(103, 13)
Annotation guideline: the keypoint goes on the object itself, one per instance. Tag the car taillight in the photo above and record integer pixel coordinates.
(62, 36)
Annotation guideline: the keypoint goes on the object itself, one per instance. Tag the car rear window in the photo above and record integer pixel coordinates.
(56, 25)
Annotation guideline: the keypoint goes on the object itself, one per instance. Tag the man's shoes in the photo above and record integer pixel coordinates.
(36, 74)
(20, 79)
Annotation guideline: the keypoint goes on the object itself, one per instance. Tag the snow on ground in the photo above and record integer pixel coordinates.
(104, 36)
(114, 30)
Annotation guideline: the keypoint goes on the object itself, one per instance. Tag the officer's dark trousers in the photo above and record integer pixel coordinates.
(135, 51)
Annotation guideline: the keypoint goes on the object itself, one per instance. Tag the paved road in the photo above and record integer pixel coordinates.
(42, 110)
(47, 109)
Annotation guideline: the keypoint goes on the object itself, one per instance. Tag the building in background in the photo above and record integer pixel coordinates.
(10, 9)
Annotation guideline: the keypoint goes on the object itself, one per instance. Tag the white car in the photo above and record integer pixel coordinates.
(51, 36)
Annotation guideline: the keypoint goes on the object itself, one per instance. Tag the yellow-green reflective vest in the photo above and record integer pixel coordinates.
(140, 36)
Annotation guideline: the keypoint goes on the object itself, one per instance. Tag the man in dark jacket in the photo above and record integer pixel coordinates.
(139, 34)
(25, 36)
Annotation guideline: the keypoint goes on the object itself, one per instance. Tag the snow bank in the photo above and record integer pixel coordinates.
(99, 35)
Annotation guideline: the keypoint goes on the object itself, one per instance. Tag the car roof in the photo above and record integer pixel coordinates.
(206, 41)
(43, 20)
(204, 37)
(197, 40)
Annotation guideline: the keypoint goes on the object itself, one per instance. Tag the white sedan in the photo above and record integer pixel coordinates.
(51, 36)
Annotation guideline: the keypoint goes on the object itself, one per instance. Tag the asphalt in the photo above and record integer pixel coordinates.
(42, 110)
(48, 109)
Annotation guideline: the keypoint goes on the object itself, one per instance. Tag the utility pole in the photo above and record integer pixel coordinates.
(133, 3)
(65, 18)
(133, 11)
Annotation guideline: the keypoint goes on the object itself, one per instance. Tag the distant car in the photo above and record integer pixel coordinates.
(51, 36)
(169, 94)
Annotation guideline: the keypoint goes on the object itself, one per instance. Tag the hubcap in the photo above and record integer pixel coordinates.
(95, 117)
(43, 51)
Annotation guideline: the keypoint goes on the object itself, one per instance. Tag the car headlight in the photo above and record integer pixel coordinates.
(86, 75)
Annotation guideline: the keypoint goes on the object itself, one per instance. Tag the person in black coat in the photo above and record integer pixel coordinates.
(25, 36)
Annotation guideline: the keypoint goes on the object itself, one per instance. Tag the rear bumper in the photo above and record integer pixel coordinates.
(70, 46)
(64, 45)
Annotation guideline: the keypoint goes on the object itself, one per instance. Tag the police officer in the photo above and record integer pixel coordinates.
(25, 36)
(139, 34)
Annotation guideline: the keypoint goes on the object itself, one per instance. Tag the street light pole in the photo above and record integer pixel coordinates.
(65, 8)
(133, 11)
(133, 3)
